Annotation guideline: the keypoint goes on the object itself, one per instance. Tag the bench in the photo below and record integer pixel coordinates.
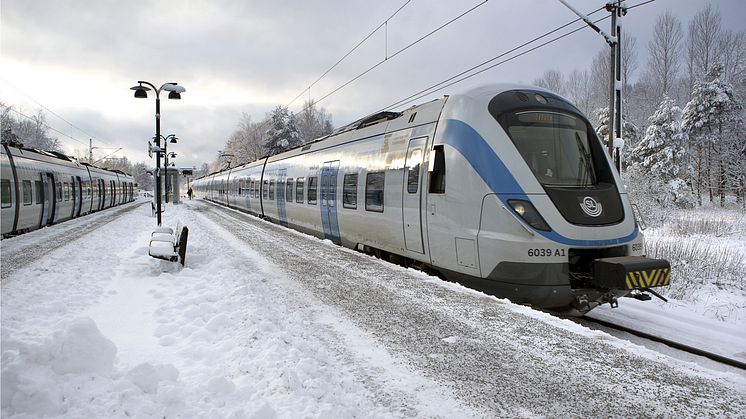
(169, 244)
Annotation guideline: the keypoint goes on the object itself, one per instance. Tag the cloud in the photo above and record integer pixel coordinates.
(80, 57)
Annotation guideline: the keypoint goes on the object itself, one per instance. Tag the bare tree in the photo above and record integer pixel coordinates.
(733, 58)
(703, 50)
(665, 57)
(553, 80)
(246, 143)
(578, 88)
(629, 62)
(313, 122)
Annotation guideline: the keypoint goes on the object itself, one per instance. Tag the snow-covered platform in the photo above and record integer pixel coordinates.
(266, 322)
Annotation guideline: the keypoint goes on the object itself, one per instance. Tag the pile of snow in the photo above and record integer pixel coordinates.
(37, 378)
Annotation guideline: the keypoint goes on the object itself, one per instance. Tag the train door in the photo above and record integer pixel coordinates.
(76, 196)
(101, 194)
(47, 209)
(329, 201)
(411, 195)
(280, 195)
(113, 194)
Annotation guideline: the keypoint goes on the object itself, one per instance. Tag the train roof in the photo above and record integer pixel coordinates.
(51, 157)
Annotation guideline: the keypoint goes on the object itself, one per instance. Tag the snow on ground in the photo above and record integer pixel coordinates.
(99, 329)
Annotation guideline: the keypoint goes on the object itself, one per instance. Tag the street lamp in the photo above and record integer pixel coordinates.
(141, 91)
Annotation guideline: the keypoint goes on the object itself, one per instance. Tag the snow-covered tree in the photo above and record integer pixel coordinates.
(713, 119)
(661, 158)
(247, 141)
(31, 131)
(283, 132)
(630, 132)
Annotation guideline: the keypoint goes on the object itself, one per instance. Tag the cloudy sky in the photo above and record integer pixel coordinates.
(78, 58)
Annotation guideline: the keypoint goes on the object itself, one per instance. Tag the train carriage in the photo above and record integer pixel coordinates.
(42, 188)
(506, 189)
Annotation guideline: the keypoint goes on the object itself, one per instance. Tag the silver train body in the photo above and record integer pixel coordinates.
(42, 188)
(506, 189)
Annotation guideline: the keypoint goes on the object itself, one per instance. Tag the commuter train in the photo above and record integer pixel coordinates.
(41, 188)
(505, 189)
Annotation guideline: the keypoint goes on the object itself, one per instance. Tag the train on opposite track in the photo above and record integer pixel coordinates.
(505, 189)
(41, 188)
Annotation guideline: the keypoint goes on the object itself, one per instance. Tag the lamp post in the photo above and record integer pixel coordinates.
(141, 91)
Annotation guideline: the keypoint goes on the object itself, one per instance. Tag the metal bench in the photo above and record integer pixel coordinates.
(169, 244)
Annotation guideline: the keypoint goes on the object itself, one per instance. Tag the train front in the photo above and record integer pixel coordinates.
(557, 229)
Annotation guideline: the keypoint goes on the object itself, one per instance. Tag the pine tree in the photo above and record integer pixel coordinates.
(283, 132)
(660, 157)
(712, 118)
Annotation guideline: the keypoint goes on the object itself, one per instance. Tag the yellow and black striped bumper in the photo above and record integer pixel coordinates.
(648, 279)
(631, 272)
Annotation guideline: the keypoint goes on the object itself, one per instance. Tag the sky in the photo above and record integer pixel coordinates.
(76, 59)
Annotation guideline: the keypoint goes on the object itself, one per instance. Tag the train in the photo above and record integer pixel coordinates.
(41, 188)
(504, 188)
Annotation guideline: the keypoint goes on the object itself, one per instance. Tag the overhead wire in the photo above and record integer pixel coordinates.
(400, 51)
(384, 23)
(445, 83)
(442, 84)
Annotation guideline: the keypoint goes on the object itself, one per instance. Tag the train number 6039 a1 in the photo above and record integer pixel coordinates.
(546, 252)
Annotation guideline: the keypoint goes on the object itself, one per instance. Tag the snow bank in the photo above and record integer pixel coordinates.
(46, 378)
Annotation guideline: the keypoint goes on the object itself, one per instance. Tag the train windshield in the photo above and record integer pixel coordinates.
(555, 145)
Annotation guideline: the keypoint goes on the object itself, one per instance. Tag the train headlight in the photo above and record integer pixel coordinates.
(529, 214)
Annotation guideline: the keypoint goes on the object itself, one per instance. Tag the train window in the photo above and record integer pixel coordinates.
(66, 188)
(558, 148)
(299, 189)
(312, 189)
(438, 172)
(265, 188)
(59, 191)
(289, 190)
(349, 191)
(271, 190)
(413, 172)
(39, 192)
(5, 192)
(27, 192)
(374, 184)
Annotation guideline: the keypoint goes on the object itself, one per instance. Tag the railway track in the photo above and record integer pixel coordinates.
(21, 250)
(668, 342)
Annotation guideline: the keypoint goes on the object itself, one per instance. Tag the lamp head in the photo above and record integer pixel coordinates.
(141, 91)
(173, 140)
(174, 95)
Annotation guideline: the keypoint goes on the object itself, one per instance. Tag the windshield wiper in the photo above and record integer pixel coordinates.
(584, 165)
